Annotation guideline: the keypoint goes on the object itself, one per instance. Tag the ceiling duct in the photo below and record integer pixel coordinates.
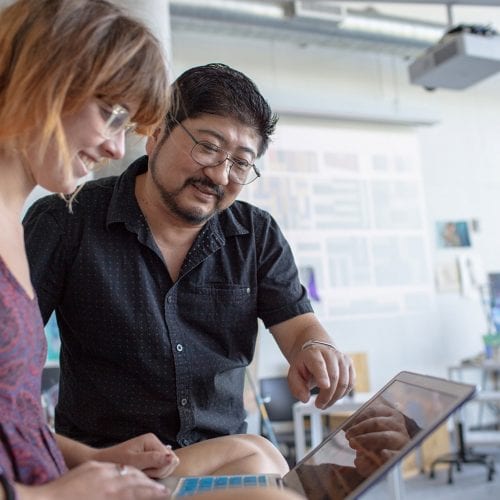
(326, 11)
(309, 22)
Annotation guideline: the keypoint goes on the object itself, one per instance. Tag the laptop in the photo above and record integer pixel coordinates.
(363, 449)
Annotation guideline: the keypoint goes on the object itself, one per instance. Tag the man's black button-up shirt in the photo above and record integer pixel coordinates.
(139, 352)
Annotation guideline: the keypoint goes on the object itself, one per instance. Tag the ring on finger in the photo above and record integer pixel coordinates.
(121, 469)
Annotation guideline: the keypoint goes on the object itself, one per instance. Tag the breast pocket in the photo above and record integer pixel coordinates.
(224, 313)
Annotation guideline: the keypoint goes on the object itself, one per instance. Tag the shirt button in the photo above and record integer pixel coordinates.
(170, 299)
(184, 401)
(179, 347)
(185, 442)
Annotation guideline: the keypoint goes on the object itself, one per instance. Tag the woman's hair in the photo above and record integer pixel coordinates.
(221, 90)
(55, 55)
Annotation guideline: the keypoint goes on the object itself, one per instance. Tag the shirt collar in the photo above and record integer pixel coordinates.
(123, 206)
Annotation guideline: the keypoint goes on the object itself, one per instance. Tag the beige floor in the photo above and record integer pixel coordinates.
(469, 484)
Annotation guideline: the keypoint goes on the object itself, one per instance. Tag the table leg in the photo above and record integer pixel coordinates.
(316, 430)
(299, 434)
(395, 483)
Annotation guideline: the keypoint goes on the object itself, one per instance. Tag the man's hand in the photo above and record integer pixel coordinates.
(320, 366)
(145, 452)
(316, 366)
(376, 435)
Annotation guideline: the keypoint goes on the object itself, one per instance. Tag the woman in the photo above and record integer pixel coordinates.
(74, 76)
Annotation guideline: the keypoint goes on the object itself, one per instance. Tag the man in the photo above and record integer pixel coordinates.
(159, 276)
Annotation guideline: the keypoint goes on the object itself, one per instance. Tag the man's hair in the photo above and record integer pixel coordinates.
(220, 90)
(55, 55)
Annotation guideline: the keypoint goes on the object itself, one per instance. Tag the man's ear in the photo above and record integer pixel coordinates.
(152, 140)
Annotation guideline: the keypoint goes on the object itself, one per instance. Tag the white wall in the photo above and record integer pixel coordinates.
(461, 178)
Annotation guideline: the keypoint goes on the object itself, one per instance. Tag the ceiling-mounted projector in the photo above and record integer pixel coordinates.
(464, 56)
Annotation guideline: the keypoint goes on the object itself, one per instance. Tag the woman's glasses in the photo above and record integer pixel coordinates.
(116, 119)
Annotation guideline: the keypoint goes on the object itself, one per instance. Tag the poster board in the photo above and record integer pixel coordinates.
(349, 199)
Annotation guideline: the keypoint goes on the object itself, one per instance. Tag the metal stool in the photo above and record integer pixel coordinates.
(461, 457)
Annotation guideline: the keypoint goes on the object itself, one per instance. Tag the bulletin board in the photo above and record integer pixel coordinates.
(349, 198)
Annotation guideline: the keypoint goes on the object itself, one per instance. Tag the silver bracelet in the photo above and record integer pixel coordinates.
(319, 343)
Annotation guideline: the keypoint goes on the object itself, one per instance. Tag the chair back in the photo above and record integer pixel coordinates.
(277, 398)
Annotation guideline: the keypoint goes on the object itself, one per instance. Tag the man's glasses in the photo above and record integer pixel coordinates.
(207, 154)
(117, 119)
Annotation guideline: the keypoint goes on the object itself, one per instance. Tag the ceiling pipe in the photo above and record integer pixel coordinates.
(305, 24)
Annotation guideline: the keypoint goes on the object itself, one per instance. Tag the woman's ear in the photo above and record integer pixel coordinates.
(152, 140)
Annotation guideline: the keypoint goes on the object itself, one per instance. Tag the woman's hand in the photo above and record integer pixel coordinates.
(146, 452)
(98, 481)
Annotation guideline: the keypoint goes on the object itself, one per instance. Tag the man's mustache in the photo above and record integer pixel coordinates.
(218, 191)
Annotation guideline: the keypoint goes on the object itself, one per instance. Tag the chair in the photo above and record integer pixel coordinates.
(50, 392)
(463, 456)
(50, 376)
(278, 402)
